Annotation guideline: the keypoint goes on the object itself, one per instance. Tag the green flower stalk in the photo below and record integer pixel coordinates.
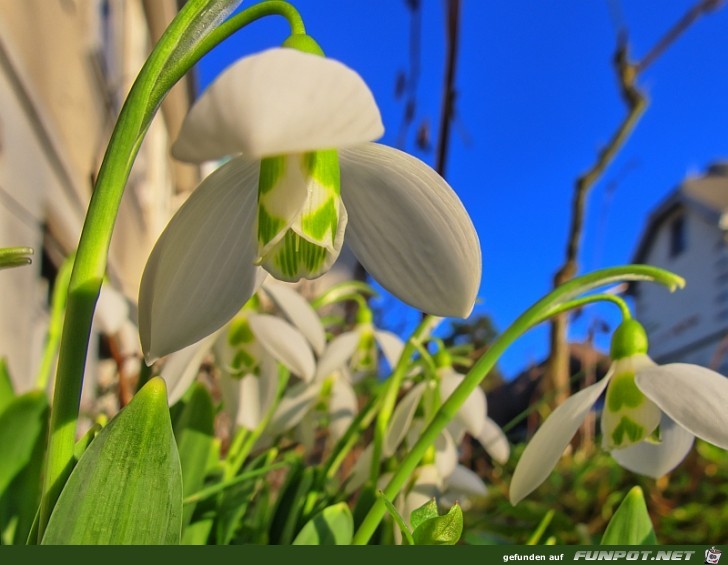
(191, 34)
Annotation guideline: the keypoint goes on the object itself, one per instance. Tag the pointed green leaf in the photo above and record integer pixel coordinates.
(127, 486)
(631, 524)
(19, 503)
(195, 433)
(21, 424)
(334, 525)
(425, 512)
(7, 393)
(442, 530)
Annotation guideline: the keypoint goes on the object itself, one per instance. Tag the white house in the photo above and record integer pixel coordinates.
(688, 234)
(65, 68)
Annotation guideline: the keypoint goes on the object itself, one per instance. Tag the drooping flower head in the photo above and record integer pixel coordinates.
(650, 418)
(302, 178)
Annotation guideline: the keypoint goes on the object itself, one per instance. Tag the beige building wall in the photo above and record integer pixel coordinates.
(65, 68)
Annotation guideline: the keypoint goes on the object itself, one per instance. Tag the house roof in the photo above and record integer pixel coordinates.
(705, 194)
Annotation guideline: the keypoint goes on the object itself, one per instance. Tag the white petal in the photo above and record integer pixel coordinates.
(409, 230)
(446, 454)
(112, 310)
(494, 441)
(465, 482)
(343, 406)
(391, 345)
(693, 396)
(279, 101)
(402, 418)
(299, 311)
(548, 444)
(249, 406)
(284, 343)
(293, 407)
(201, 270)
(472, 413)
(181, 368)
(657, 459)
(338, 352)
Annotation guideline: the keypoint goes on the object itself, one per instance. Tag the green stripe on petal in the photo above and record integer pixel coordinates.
(319, 218)
(629, 416)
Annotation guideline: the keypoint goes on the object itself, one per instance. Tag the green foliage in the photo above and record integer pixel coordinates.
(127, 486)
(631, 523)
(6, 385)
(438, 530)
(23, 435)
(686, 507)
(194, 431)
(334, 525)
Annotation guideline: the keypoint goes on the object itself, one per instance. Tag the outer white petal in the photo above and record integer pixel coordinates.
(402, 417)
(285, 343)
(548, 444)
(181, 368)
(657, 459)
(409, 230)
(473, 411)
(299, 311)
(343, 406)
(201, 271)
(338, 352)
(279, 101)
(391, 345)
(112, 310)
(693, 396)
(446, 455)
(293, 407)
(494, 441)
(465, 482)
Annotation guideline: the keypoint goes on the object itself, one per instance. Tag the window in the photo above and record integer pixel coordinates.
(677, 236)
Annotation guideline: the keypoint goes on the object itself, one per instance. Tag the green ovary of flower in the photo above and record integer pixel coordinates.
(301, 218)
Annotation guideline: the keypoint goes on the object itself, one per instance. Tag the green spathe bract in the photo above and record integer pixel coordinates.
(127, 486)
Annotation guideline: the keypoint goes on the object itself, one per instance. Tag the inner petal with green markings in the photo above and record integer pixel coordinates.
(629, 416)
(301, 218)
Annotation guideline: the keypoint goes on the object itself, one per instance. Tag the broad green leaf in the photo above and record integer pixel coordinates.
(127, 486)
(334, 525)
(631, 524)
(195, 431)
(425, 512)
(6, 386)
(19, 503)
(21, 424)
(443, 530)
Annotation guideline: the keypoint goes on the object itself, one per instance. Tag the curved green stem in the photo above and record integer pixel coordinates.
(186, 40)
(536, 313)
(585, 300)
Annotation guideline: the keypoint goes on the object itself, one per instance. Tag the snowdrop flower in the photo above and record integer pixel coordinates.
(248, 351)
(303, 175)
(651, 414)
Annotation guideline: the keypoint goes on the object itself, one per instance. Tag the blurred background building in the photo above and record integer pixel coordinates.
(687, 234)
(65, 68)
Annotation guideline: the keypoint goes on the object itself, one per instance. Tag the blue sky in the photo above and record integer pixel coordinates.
(537, 99)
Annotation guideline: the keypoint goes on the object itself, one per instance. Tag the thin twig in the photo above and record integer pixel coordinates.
(627, 73)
